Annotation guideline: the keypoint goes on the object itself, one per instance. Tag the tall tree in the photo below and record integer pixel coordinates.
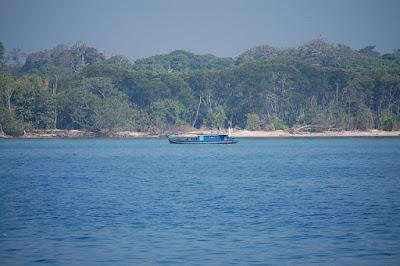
(15, 57)
(1, 54)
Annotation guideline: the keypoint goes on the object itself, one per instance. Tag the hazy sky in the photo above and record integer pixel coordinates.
(225, 28)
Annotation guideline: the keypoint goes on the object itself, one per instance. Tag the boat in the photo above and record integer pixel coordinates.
(204, 139)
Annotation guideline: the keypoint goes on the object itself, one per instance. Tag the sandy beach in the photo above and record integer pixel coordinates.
(281, 133)
(235, 133)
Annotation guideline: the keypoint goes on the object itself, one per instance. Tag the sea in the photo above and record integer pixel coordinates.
(264, 201)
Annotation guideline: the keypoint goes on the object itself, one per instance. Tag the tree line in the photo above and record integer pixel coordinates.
(318, 84)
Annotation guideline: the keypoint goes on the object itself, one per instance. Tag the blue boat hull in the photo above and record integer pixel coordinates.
(217, 139)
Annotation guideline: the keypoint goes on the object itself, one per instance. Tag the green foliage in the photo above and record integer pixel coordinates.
(167, 112)
(387, 121)
(347, 122)
(365, 119)
(253, 122)
(269, 126)
(182, 61)
(261, 53)
(317, 84)
(278, 123)
(319, 53)
(27, 103)
(120, 61)
(369, 50)
(311, 113)
(13, 127)
(215, 118)
(320, 124)
(1, 54)
(62, 58)
(97, 105)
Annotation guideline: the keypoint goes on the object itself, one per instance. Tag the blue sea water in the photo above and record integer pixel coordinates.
(145, 201)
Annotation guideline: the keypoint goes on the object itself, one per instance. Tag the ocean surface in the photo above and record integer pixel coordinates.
(147, 202)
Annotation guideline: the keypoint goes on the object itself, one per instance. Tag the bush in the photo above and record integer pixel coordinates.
(320, 124)
(253, 122)
(215, 118)
(269, 126)
(347, 122)
(364, 119)
(278, 123)
(387, 121)
(15, 127)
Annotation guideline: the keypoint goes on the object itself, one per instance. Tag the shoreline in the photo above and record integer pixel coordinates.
(50, 134)
(281, 133)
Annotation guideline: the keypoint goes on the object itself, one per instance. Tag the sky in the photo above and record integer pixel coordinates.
(224, 28)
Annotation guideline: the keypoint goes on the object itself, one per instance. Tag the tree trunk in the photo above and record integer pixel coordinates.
(197, 113)
(55, 85)
(8, 93)
(337, 93)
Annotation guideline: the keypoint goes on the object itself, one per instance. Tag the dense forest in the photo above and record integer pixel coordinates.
(320, 85)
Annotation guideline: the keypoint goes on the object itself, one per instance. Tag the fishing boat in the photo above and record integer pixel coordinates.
(205, 139)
